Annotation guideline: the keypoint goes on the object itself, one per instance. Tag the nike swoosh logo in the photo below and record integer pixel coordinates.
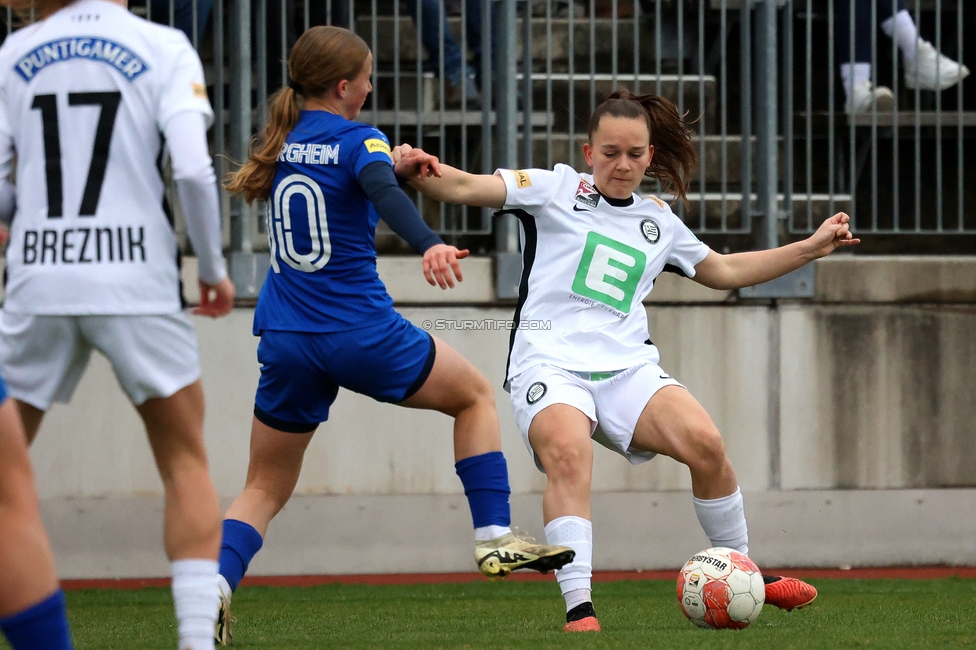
(665, 376)
(579, 209)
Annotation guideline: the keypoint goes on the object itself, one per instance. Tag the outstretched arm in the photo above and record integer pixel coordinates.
(747, 269)
(451, 185)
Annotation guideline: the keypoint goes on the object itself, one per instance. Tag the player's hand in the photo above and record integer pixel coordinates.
(399, 151)
(4, 234)
(831, 235)
(216, 300)
(439, 261)
(411, 163)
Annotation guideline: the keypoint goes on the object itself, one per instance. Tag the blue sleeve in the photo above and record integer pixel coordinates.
(395, 207)
(368, 145)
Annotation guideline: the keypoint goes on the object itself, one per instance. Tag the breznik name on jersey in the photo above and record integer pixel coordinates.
(587, 267)
(84, 97)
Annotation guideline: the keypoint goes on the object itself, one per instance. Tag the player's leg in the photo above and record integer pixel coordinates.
(293, 396)
(272, 473)
(556, 415)
(456, 388)
(156, 361)
(192, 511)
(560, 438)
(31, 417)
(42, 358)
(32, 611)
(674, 424)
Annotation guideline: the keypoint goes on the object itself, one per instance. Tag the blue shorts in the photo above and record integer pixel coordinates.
(301, 372)
(3, 391)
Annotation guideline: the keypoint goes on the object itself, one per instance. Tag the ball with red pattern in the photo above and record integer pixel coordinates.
(720, 588)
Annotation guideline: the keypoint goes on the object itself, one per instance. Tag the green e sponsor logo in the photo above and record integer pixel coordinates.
(609, 272)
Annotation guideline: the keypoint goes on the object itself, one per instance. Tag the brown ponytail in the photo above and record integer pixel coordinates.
(255, 178)
(321, 58)
(674, 154)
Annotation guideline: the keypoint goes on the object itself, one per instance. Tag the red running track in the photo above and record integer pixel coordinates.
(872, 573)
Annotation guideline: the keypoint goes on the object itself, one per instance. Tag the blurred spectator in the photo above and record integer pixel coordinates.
(457, 72)
(182, 16)
(925, 67)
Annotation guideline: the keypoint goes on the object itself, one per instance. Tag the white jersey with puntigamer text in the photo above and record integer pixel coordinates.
(84, 97)
(587, 266)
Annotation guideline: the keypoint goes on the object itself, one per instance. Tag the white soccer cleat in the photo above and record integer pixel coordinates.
(932, 70)
(222, 632)
(865, 98)
(500, 556)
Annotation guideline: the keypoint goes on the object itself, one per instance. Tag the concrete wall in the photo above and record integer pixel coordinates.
(850, 419)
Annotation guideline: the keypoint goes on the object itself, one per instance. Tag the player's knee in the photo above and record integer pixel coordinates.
(476, 392)
(708, 449)
(566, 462)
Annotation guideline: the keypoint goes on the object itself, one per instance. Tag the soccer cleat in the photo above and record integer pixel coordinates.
(222, 634)
(788, 593)
(588, 624)
(932, 70)
(582, 618)
(500, 556)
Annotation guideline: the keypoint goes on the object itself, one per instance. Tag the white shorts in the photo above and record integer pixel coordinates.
(613, 404)
(42, 358)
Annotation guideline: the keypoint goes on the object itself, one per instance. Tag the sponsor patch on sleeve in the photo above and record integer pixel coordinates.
(375, 145)
(199, 90)
(587, 194)
(522, 178)
(659, 202)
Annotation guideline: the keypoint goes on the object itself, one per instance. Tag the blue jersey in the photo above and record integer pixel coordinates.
(321, 228)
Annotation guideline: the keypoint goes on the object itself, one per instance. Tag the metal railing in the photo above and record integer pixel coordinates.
(902, 165)
(512, 83)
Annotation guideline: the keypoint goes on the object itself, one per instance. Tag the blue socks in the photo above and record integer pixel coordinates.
(240, 544)
(43, 626)
(485, 481)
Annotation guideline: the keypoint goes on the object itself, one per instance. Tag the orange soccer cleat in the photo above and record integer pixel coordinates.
(582, 618)
(788, 593)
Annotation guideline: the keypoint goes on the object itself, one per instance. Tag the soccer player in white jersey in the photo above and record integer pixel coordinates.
(88, 95)
(591, 251)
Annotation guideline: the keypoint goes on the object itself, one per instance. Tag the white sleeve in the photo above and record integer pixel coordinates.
(8, 193)
(185, 89)
(687, 251)
(196, 186)
(529, 188)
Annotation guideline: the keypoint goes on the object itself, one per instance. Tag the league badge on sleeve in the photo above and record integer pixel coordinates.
(587, 194)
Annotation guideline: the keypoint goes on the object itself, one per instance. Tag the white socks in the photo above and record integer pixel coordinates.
(224, 586)
(196, 598)
(724, 521)
(854, 74)
(574, 578)
(484, 533)
(902, 29)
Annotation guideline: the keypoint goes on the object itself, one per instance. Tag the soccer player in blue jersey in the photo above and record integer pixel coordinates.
(32, 613)
(325, 318)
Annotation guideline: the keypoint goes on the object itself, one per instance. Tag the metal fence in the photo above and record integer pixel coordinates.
(899, 160)
(488, 83)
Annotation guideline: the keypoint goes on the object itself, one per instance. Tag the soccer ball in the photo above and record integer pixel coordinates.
(721, 588)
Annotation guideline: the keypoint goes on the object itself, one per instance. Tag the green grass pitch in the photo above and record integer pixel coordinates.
(643, 614)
